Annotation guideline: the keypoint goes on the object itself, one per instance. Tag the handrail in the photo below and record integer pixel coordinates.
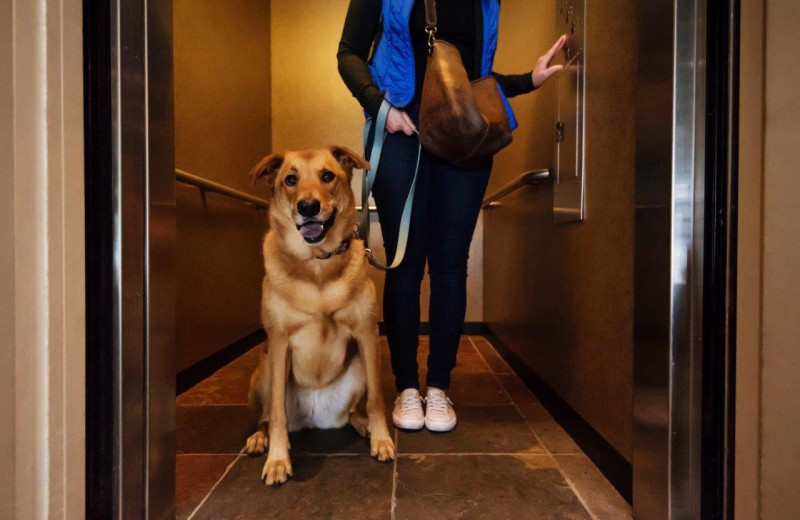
(207, 185)
(526, 179)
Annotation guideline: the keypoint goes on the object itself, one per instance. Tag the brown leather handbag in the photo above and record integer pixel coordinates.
(464, 122)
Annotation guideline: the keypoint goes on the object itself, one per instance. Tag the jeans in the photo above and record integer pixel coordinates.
(446, 206)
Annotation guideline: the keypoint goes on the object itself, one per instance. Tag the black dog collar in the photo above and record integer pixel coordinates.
(343, 247)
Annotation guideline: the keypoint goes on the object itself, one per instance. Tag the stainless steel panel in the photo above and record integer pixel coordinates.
(160, 347)
(129, 172)
(668, 256)
(143, 205)
(568, 190)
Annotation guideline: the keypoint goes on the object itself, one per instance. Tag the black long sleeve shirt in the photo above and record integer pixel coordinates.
(459, 23)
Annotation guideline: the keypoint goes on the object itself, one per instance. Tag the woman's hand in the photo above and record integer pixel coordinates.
(398, 121)
(543, 70)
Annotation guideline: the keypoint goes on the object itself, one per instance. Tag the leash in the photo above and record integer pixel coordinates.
(368, 179)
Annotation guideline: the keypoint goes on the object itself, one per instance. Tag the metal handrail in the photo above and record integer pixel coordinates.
(207, 185)
(526, 179)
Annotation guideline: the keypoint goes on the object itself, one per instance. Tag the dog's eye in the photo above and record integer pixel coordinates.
(290, 180)
(328, 176)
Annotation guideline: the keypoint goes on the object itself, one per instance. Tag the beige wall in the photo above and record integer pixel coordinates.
(7, 257)
(222, 128)
(768, 386)
(561, 297)
(311, 107)
(42, 323)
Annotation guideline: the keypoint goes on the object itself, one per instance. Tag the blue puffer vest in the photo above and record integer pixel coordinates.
(392, 65)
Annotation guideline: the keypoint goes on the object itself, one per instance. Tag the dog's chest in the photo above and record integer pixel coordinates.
(319, 351)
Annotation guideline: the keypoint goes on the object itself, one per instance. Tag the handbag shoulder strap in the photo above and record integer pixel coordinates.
(431, 23)
(430, 15)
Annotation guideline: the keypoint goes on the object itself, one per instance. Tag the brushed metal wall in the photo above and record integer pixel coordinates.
(561, 297)
(222, 128)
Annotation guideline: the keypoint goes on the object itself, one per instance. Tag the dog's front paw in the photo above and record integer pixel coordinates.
(382, 449)
(276, 471)
(257, 443)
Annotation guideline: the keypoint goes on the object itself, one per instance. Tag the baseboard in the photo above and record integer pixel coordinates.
(609, 461)
(192, 375)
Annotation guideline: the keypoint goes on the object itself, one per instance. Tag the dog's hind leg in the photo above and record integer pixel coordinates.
(359, 422)
(358, 385)
(258, 398)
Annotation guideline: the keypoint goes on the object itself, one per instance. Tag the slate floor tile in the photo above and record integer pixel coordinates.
(195, 475)
(599, 495)
(347, 487)
(452, 475)
(552, 435)
(496, 363)
(228, 385)
(484, 487)
(214, 429)
(480, 429)
(520, 394)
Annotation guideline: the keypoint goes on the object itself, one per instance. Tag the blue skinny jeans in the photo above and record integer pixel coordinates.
(446, 206)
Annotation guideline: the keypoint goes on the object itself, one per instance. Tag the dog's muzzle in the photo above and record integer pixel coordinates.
(314, 231)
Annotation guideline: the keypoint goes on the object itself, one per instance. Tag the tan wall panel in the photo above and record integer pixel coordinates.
(748, 262)
(311, 107)
(562, 296)
(780, 447)
(7, 382)
(222, 128)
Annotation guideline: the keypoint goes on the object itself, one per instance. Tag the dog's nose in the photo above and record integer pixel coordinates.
(308, 208)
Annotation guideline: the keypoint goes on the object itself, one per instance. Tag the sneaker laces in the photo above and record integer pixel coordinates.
(409, 402)
(438, 403)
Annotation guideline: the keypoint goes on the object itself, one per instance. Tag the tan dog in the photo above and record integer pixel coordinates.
(317, 299)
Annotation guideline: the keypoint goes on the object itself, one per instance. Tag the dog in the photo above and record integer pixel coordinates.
(318, 308)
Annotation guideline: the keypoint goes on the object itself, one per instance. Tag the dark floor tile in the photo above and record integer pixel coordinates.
(496, 363)
(214, 429)
(519, 393)
(598, 494)
(228, 385)
(484, 487)
(473, 388)
(195, 475)
(468, 360)
(341, 440)
(553, 436)
(480, 429)
(348, 487)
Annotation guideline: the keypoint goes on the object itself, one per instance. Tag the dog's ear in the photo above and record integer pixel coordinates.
(267, 167)
(348, 159)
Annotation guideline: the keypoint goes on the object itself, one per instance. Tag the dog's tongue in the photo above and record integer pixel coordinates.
(311, 229)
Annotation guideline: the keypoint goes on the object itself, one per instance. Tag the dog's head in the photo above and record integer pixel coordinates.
(310, 191)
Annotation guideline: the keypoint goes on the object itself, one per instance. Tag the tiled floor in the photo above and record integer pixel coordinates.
(507, 458)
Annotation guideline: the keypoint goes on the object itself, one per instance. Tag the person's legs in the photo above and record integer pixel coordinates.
(401, 307)
(455, 202)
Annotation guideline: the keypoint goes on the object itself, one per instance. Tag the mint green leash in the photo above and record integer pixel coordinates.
(368, 179)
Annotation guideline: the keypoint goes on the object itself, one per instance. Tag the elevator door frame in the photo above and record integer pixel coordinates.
(684, 310)
(131, 233)
(130, 242)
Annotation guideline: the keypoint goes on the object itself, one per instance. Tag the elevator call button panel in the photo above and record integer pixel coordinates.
(569, 186)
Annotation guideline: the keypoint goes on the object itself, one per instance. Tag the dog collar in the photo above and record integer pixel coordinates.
(343, 247)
